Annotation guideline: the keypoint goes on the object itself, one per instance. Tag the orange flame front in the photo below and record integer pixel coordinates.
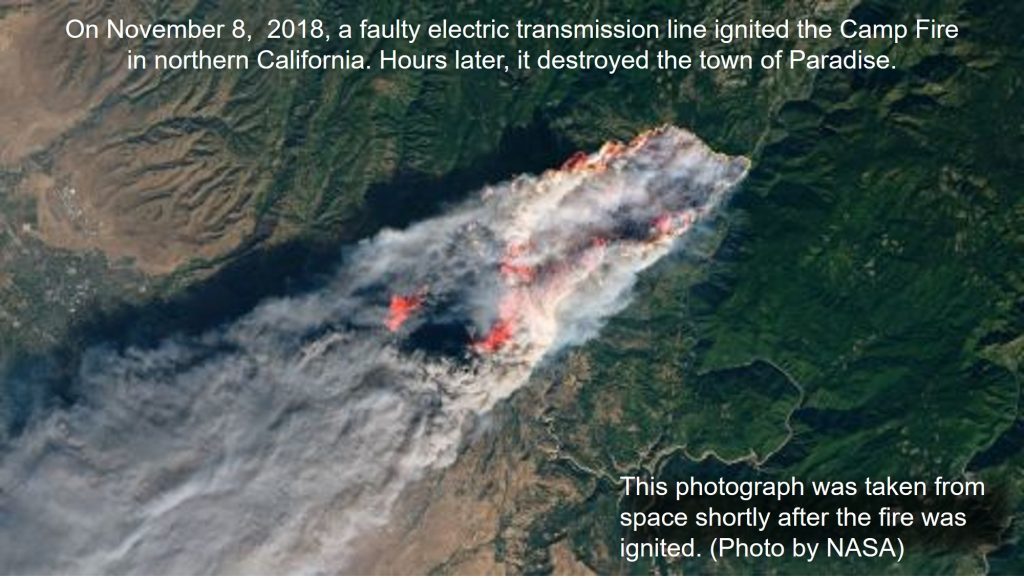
(497, 337)
(402, 307)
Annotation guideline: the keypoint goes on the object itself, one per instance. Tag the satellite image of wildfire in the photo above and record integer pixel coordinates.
(530, 267)
(371, 321)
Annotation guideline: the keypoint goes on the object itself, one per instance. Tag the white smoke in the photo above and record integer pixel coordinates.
(269, 444)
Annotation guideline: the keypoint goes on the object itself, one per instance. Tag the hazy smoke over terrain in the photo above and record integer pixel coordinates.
(268, 444)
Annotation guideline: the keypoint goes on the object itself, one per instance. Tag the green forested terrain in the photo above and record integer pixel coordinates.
(857, 310)
(862, 315)
(313, 158)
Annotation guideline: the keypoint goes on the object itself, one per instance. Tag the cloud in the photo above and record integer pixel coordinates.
(269, 444)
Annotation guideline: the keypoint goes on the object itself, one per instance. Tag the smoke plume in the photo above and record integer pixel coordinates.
(269, 444)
